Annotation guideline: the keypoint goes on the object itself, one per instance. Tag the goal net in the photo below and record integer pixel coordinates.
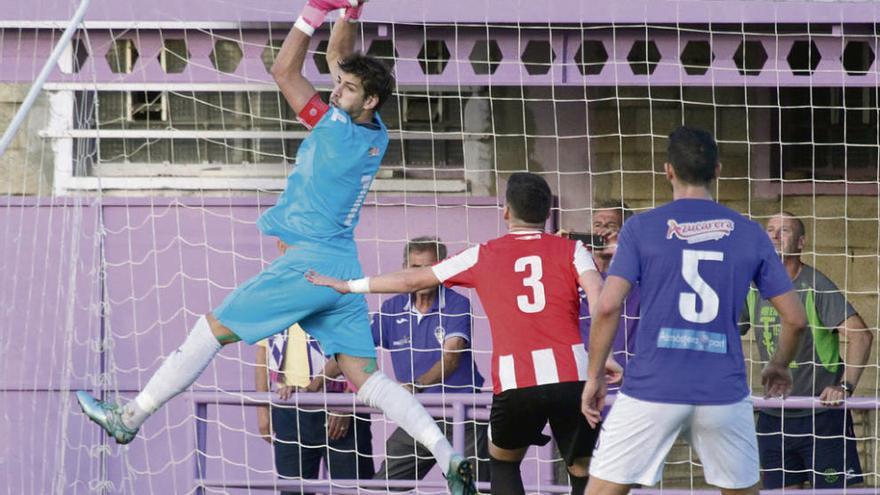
(131, 193)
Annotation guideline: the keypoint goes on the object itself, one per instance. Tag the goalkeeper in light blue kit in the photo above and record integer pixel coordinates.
(316, 216)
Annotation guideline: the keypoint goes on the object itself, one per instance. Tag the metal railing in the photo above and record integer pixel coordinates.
(458, 408)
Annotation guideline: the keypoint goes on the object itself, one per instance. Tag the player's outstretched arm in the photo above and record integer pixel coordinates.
(287, 70)
(793, 321)
(288, 67)
(342, 39)
(409, 280)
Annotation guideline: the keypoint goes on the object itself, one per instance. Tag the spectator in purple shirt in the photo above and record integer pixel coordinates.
(428, 334)
(608, 218)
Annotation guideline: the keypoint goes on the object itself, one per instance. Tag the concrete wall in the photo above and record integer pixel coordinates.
(26, 167)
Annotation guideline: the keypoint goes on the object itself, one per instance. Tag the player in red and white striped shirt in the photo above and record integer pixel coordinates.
(528, 283)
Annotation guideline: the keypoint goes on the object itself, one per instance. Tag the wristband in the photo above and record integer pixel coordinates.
(359, 286)
(311, 18)
(315, 11)
(304, 26)
(847, 387)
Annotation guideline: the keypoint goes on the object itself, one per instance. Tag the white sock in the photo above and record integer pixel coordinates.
(401, 407)
(176, 374)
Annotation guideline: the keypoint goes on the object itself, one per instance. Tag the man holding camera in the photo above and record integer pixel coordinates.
(608, 218)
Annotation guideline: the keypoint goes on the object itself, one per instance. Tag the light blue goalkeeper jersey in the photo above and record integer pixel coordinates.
(335, 166)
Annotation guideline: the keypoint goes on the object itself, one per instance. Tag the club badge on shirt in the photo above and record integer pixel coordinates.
(439, 333)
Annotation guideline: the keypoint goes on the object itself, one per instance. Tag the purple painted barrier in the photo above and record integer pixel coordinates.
(365, 486)
(457, 408)
(408, 11)
(537, 43)
(533, 57)
(524, 58)
(453, 407)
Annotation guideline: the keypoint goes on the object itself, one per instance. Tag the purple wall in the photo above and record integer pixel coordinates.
(530, 57)
(557, 11)
(48, 296)
(167, 261)
(546, 52)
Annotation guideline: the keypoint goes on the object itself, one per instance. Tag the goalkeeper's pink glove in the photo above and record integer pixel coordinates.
(315, 11)
(353, 14)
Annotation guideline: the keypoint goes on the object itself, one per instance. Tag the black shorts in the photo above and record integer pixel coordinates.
(518, 417)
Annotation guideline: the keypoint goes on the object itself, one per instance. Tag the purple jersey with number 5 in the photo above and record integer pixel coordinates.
(694, 261)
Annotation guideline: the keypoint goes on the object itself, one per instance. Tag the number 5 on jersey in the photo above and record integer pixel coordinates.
(687, 301)
(531, 265)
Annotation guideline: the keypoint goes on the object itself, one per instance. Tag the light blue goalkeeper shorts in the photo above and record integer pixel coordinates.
(280, 296)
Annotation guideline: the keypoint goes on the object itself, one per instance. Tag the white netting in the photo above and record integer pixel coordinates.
(132, 189)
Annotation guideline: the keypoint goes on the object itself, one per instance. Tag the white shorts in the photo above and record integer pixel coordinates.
(637, 436)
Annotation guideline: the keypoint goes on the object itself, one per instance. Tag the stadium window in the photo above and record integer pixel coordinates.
(826, 135)
(248, 137)
(422, 109)
(147, 106)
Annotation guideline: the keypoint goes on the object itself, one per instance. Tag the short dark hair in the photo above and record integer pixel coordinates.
(693, 154)
(425, 244)
(614, 204)
(529, 197)
(802, 230)
(375, 76)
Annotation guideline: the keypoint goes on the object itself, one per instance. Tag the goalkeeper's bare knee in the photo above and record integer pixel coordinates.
(223, 334)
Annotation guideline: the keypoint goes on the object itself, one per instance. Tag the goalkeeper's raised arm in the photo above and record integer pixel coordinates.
(288, 67)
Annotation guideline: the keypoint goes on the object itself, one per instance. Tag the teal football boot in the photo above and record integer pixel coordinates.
(107, 415)
(460, 477)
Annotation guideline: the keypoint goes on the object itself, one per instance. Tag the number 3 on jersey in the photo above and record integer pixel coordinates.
(532, 265)
(687, 301)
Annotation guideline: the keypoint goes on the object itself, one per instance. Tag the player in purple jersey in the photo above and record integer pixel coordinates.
(694, 261)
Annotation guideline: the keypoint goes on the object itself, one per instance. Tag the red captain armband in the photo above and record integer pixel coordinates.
(311, 114)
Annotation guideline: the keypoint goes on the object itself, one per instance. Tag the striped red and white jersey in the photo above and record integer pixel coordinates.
(528, 284)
